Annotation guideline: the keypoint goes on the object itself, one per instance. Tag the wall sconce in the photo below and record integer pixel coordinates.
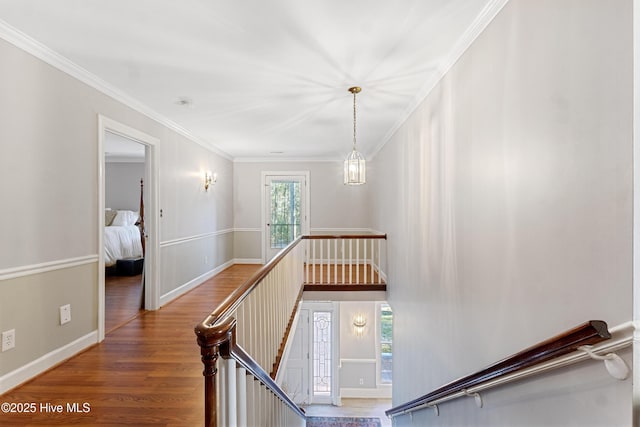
(359, 322)
(209, 179)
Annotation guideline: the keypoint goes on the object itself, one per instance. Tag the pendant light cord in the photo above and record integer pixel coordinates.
(354, 120)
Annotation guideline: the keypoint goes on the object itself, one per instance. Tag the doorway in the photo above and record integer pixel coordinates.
(312, 364)
(285, 201)
(124, 236)
(127, 200)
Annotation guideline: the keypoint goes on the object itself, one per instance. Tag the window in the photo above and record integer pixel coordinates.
(285, 212)
(386, 344)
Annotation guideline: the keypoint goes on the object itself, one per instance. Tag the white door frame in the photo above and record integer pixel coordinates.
(636, 214)
(151, 293)
(306, 215)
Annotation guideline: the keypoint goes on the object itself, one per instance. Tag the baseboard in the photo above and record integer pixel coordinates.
(181, 290)
(43, 363)
(366, 393)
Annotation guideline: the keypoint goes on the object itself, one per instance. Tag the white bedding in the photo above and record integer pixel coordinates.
(121, 243)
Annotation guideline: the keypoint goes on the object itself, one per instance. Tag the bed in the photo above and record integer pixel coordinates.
(123, 234)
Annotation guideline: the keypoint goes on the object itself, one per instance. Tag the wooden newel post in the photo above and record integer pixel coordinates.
(210, 338)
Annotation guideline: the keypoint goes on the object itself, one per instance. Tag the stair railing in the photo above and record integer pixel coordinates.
(345, 259)
(592, 340)
(248, 331)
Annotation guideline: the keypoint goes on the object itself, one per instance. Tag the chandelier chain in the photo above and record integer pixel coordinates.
(354, 120)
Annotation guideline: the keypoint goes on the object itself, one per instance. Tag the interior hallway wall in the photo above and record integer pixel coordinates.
(507, 199)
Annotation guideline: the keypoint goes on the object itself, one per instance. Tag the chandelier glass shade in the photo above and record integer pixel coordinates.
(354, 164)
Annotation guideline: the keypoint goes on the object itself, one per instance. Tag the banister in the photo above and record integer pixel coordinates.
(589, 333)
(343, 236)
(231, 349)
(236, 297)
(216, 337)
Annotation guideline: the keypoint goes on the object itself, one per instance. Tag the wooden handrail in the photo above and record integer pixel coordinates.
(343, 236)
(235, 299)
(217, 330)
(588, 333)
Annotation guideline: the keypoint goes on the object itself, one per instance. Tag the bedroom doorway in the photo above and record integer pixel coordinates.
(124, 234)
(128, 224)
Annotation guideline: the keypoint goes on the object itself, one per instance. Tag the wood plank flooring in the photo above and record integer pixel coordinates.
(123, 300)
(147, 372)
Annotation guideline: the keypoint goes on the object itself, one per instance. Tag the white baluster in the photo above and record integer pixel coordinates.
(321, 260)
(222, 395)
(357, 261)
(335, 261)
(328, 261)
(350, 261)
(314, 262)
(364, 261)
(372, 260)
(343, 256)
(232, 393)
(241, 382)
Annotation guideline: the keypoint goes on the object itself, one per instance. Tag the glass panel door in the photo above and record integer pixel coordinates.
(322, 360)
(285, 201)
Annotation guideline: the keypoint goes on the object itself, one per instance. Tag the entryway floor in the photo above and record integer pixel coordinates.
(353, 408)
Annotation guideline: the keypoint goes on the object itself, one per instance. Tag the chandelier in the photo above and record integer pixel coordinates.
(354, 164)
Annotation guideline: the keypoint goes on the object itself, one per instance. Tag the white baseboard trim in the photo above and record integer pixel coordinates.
(366, 393)
(181, 290)
(43, 363)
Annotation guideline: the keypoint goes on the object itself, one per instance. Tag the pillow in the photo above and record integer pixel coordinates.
(109, 215)
(125, 218)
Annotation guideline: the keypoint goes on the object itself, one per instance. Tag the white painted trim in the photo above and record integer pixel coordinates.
(194, 283)
(307, 204)
(286, 160)
(43, 363)
(44, 53)
(45, 267)
(195, 237)
(476, 28)
(366, 393)
(152, 219)
(363, 361)
(282, 368)
(247, 229)
(636, 215)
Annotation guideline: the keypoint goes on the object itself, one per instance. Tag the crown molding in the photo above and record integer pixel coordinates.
(465, 41)
(28, 44)
(285, 160)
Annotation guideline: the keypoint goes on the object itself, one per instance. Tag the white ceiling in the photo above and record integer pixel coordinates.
(264, 79)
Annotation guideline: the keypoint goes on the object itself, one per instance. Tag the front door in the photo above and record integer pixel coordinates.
(286, 218)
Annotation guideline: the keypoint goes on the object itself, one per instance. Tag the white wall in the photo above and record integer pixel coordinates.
(49, 180)
(507, 197)
(122, 185)
(333, 204)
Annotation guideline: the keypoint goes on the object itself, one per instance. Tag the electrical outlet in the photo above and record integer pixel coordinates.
(8, 340)
(65, 314)
(361, 381)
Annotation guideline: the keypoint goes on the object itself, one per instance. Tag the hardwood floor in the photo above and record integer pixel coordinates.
(147, 372)
(123, 300)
